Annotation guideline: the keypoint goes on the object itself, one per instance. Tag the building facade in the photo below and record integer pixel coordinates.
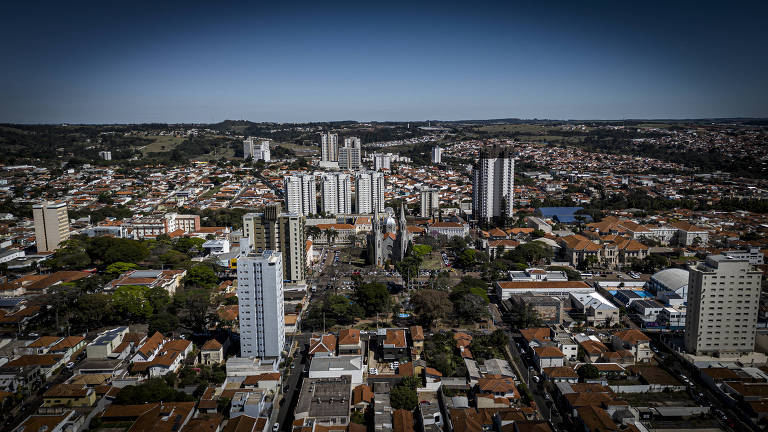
(336, 193)
(51, 225)
(430, 201)
(300, 194)
(281, 232)
(260, 294)
(493, 185)
(369, 192)
(256, 149)
(723, 302)
(381, 162)
(329, 147)
(437, 155)
(350, 155)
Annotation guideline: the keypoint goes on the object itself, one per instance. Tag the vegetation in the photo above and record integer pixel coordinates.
(440, 353)
(152, 390)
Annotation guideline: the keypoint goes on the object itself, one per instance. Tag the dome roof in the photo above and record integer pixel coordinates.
(672, 278)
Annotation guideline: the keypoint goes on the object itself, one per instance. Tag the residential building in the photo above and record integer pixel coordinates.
(635, 342)
(381, 161)
(493, 184)
(211, 352)
(723, 303)
(329, 147)
(281, 232)
(106, 155)
(301, 194)
(350, 154)
(369, 192)
(430, 201)
(261, 311)
(596, 308)
(325, 400)
(256, 149)
(752, 254)
(437, 155)
(51, 225)
(336, 193)
(154, 225)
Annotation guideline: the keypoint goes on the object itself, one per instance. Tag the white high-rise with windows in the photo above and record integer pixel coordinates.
(381, 161)
(369, 192)
(437, 155)
(336, 193)
(300, 194)
(350, 154)
(430, 201)
(329, 147)
(723, 303)
(256, 149)
(261, 311)
(493, 184)
(51, 225)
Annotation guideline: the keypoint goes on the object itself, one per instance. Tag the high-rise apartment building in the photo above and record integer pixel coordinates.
(493, 184)
(437, 155)
(300, 194)
(430, 201)
(282, 232)
(51, 225)
(369, 192)
(336, 193)
(260, 297)
(723, 302)
(256, 149)
(350, 154)
(381, 161)
(329, 147)
(106, 155)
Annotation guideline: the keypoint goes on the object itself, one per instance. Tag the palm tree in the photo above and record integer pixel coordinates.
(332, 235)
(313, 231)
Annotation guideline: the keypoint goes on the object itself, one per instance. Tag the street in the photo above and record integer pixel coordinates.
(292, 382)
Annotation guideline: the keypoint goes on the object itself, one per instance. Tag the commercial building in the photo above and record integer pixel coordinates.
(430, 201)
(300, 194)
(51, 225)
(493, 184)
(154, 225)
(329, 147)
(256, 149)
(560, 289)
(437, 155)
(260, 294)
(369, 192)
(336, 193)
(752, 254)
(350, 154)
(723, 302)
(281, 232)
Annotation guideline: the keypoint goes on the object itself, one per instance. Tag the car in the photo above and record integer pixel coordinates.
(276, 427)
(536, 379)
(293, 365)
(70, 365)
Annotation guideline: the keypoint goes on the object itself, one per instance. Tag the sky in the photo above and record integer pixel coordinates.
(204, 62)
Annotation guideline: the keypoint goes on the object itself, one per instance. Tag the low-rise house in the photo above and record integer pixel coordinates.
(560, 374)
(498, 386)
(66, 421)
(362, 397)
(322, 345)
(417, 338)
(548, 356)
(349, 342)
(329, 367)
(597, 309)
(15, 378)
(48, 363)
(105, 343)
(68, 346)
(634, 341)
(167, 279)
(149, 348)
(394, 345)
(69, 395)
(265, 381)
(592, 350)
(212, 352)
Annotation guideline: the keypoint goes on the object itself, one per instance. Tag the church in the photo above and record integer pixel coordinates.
(388, 242)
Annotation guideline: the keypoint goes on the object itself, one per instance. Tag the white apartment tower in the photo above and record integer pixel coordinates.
(260, 295)
(51, 225)
(437, 155)
(300, 194)
(381, 161)
(256, 149)
(493, 184)
(329, 147)
(723, 302)
(350, 154)
(369, 192)
(430, 201)
(336, 193)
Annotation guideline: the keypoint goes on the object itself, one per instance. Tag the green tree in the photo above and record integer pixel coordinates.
(201, 275)
(403, 397)
(117, 268)
(125, 250)
(431, 306)
(153, 390)
(466, 259)
(421, 250)
(131, 300)
(408, 268)
(313, 231)
(588, 371)
(470, 308)
(373, 297)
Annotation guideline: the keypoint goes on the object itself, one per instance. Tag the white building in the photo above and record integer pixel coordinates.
(437, 155)
(493, 185)
(260, 295)
(336, 193)
(329, 147)
(256, 149)
(106, 155)
(369, 192)
(752, 254)
(51, 225)
(723, 302)
(381, 161)
(300, 194)
(537, 274)
(350, 154)
(449, 229)
(430, 201)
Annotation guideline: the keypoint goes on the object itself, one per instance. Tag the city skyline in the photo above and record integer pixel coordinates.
(204, 64)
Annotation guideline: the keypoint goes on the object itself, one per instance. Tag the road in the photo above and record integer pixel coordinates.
(293, 383)
(526, 368)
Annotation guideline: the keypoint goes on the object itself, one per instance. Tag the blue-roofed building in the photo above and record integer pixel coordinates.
(564, 215)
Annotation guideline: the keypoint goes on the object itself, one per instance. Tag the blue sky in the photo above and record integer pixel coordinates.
(83, 62)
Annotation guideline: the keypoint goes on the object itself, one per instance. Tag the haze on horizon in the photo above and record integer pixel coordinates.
(202, 63)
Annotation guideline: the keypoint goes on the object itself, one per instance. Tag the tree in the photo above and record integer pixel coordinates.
(408, 268)
(470, 308)
(125, 250)
(164, 323)
(201, 275)
(403, 397)
(524, 315)
(117, 268)
(195, 303)
(158, 298)
(466, 259)
(470, 285)
(132, 301)
(431, 306)
(153, 390)
(421, 250)
(373, 297)
(588, 371)
(313, 231)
